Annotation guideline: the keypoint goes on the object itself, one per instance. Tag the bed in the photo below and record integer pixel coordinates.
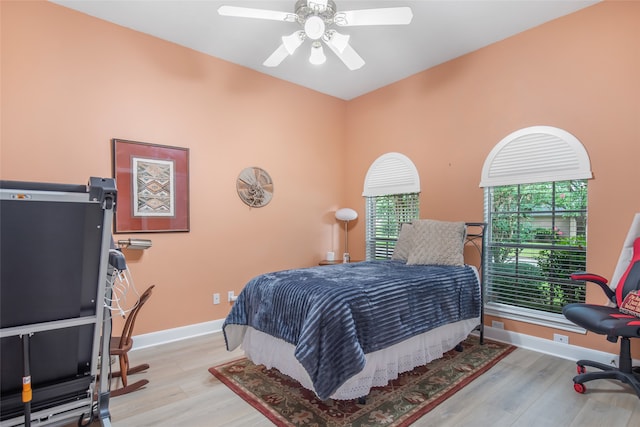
(342, 329)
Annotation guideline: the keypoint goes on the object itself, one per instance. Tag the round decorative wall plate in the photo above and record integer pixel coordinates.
(255, 187)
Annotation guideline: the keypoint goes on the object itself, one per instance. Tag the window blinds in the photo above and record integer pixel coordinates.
(537, 238)
(391, 173)
(385, 215)
(536, 154)
(391, 188)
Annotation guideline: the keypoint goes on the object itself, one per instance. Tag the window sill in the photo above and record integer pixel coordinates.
(535, 317)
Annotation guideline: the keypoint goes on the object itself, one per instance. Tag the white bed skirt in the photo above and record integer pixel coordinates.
(381, 366)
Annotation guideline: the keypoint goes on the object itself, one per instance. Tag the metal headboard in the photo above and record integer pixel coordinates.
(475, 237)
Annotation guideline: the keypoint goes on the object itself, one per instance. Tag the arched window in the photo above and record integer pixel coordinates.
(391, 190)
(535, 183)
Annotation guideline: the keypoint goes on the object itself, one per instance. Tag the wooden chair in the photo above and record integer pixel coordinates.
(120, 347)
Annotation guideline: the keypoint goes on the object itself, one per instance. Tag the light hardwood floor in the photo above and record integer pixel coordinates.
(524, 389)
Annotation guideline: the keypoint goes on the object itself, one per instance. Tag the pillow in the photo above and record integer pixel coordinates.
(437, 242)
(631, 304)
(404, 245)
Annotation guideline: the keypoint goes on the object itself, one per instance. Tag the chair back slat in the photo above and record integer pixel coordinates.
(127, 331)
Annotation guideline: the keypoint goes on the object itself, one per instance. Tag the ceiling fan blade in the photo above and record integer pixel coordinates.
(247, 12)
(350, 57)
(289, 45)
(337, 41)
(383, 16)
(276, 57)
(293, 41)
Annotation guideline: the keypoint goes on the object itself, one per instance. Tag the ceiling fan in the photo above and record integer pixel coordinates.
(317, 18)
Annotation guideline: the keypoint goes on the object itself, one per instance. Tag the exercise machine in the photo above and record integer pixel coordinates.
(55, 242)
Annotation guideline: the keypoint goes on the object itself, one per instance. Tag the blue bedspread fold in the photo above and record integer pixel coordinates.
(334, 315)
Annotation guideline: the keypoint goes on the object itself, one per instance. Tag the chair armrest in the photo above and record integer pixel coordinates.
(598, 280)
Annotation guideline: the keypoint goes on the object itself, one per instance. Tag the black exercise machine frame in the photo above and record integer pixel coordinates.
(64, 399)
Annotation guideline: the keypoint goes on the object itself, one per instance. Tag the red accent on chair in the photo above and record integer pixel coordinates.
(589, 277)
(620, 292)
(621, 316)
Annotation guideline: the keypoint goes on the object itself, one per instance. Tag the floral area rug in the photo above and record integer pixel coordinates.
(398, 404)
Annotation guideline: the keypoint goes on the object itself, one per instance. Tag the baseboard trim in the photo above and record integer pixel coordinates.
(541, 345)
(553, 348)
(176, 334)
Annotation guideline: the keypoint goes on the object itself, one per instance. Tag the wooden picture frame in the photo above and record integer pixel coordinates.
(153, 187)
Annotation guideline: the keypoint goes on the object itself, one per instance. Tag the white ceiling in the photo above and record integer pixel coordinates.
(440, 31)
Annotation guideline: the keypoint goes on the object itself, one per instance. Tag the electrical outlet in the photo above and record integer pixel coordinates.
(497, 325)
(216, 298)
(561, 338)
(231, 296)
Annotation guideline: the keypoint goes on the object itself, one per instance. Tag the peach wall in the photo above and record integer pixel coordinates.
(71, 82)
(579, 73)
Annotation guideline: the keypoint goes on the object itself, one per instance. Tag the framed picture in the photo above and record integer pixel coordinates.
(153, 187)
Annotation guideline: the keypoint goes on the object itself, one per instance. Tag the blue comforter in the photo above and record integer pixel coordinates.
(334, 315)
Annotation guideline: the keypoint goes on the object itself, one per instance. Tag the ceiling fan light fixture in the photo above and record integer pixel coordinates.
(317, 56)
(318, 5)
(316, 19)
(325, 9)
(314, 27)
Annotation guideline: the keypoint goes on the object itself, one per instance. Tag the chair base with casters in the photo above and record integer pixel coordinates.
(625, 373)
(611, 322)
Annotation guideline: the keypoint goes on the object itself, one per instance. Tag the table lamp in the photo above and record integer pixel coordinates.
(346, 215)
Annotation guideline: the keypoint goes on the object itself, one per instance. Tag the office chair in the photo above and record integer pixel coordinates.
(609, 321)
(120, 347)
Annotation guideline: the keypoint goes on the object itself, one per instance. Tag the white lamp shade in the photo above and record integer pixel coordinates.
(346, 214)
(317, 56)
